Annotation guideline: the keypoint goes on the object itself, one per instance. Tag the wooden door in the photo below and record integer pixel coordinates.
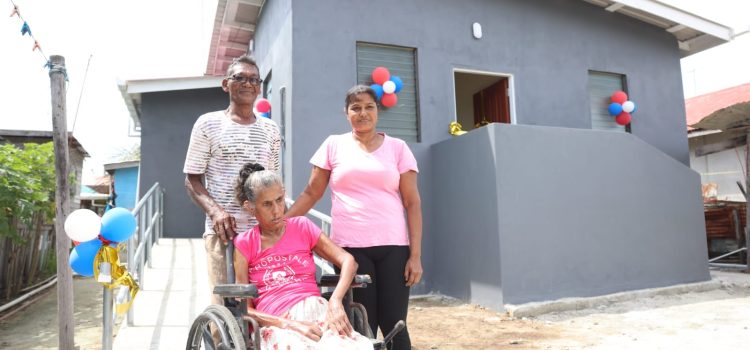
(491, 105)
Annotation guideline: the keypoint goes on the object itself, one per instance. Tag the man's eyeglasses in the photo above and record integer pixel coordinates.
(243, 79)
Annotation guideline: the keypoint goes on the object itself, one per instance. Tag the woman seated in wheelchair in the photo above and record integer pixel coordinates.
(276, 255)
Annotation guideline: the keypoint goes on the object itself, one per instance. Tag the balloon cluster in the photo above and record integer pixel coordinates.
(85, 226)
(621, 108)
(262, 108)
(386, 86)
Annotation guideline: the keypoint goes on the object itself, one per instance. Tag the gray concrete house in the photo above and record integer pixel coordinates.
(551, 199)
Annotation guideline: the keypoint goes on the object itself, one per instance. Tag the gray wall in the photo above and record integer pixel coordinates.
(166, 121)
(273, 52)
(547, 45)
(576, 213)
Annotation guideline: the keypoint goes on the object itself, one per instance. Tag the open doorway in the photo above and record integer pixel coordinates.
(483, 98)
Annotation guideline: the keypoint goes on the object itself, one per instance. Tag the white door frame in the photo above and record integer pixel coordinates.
(511, 90)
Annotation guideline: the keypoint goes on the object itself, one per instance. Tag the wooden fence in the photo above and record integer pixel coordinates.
(26, 259)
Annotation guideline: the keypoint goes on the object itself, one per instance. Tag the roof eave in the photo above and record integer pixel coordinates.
(673, 20)
(132, 90)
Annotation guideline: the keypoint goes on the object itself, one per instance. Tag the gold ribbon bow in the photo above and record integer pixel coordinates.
(455, 129)
(120, 275)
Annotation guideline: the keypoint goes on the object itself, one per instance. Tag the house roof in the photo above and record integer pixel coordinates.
(121, 165)
(699, 107)
(32, 135)
(234, 29)
(693, 33)
(132, 90)
(100, 184)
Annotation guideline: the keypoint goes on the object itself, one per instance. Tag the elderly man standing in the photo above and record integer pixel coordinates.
(220, 144)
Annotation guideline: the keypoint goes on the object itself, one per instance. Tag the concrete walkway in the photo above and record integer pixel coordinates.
(173, 292)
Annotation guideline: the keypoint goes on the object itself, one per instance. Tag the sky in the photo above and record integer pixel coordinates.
(117, 40)
(143, 39)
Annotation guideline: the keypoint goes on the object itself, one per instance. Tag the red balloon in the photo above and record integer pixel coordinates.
(389, 100)
(380, 75)
(619, 97)
(623, 118)
(76, 243)
(263, 106)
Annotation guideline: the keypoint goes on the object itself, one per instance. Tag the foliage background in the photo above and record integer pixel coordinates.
(27, 184)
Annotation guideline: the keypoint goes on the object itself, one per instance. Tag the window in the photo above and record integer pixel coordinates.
(601, 87)
(402, 120)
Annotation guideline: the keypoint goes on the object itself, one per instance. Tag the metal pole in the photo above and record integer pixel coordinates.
(107, 319)
(141, 234)
(161, 210)
(131, 267)
(150, 217)
(155, 232)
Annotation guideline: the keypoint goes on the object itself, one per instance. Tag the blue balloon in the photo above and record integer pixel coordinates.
(82, 257)
(378, 90)
(399, 84)
(266, 115)
(118, 225)
(615, 108)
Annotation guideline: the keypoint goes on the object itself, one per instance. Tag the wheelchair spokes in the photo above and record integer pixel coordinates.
(229, 335)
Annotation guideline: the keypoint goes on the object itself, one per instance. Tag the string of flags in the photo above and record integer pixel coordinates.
(26, 30)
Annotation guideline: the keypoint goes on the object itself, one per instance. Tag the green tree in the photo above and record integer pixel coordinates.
(27, 184)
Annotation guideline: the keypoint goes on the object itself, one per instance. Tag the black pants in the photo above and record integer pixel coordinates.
(387, 298)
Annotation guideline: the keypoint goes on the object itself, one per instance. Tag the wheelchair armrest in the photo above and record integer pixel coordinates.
(236, 290)
(360, 281)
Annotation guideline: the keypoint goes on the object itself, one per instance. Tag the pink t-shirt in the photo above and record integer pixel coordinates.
(285, 272)
(366, 209)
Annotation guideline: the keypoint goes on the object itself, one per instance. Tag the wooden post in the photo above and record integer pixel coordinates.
(57, 77)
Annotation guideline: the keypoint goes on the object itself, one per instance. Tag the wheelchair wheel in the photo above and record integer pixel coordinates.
(359, 320)
(220, 318)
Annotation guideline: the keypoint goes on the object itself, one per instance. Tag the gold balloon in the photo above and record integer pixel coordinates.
(120, 275)
(455, 129)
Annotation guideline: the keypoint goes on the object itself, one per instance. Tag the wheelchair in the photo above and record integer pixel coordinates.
(234, 326)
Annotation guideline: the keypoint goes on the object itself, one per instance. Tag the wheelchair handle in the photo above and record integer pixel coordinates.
(359, 281)
(230, 262)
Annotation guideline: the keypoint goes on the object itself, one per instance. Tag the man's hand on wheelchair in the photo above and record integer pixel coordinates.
(308, 329)
(336, 319)
(224, 224)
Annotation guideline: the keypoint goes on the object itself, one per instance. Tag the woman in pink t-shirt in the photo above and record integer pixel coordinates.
(276, 255)
(373, 180)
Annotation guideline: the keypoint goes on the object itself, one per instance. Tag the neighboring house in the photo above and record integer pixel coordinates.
(76, 153)
(96, 194)
(125, 183)
(719, 156)
(551, 200)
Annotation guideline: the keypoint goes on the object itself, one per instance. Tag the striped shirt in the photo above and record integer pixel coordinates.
(220, 147)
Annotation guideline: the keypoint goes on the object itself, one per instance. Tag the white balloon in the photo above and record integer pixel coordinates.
(83, 225)
(628, 106)
(389, 87)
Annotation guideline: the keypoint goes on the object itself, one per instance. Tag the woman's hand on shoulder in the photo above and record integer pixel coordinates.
(308, 329)
(336, 319)
(413, 271)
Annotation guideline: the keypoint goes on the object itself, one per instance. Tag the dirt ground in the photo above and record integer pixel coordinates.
(717, 319)
(35, 327)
